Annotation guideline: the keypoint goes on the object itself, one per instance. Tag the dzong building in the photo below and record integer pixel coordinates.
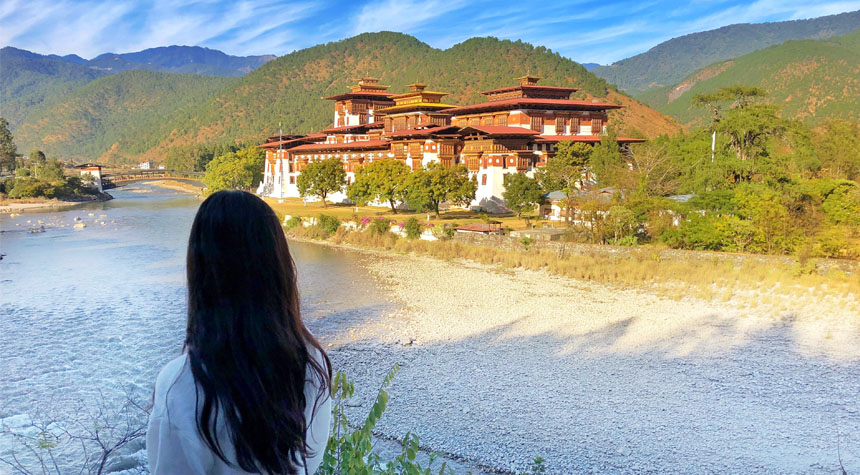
(515, 130)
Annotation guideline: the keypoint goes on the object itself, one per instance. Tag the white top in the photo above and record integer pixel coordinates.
(174, 445)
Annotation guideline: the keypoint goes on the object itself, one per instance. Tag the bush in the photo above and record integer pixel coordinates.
(352, 452)
(28, 188)
(379, 226)
(625, 241)
(526, 242)
(293, 222)
(413, 228)
(442, 232)
(329, 223)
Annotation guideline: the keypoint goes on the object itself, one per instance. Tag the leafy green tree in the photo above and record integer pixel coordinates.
(436, 184)
(234, 170)
(838, 145)
(8, 150)
(606, 160)
(52, 171)
(565, 168)
(739, 97)
(749, 128)
(380, 180)
(521, 192)
(37, 157)
(322, 178)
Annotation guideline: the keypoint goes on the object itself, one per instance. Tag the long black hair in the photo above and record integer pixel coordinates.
(248, 348)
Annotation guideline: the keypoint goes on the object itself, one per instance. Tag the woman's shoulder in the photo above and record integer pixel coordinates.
(175, 387)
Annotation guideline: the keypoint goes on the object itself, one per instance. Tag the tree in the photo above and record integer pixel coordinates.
(565, 168)
(52, 171)
(321, 178)
(606, 159)
(436, 184)
(739, 96)
(37, 157)
(521, 192)
(749, 129)
(8, 151)
(234, 170)
(381, 180)
(652, 172)
(838, 145)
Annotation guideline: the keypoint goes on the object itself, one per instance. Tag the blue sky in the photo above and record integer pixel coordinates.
(585, 31)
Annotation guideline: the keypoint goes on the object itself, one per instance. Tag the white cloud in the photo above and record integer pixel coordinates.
(407, 16)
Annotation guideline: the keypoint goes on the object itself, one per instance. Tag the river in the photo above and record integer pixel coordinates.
(102, 309)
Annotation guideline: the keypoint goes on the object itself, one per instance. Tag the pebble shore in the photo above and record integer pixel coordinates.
(501, 366)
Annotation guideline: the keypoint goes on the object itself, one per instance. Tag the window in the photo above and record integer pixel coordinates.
(502, 120)
(292, 179)
(537, 123)
(474, 121)
(596, 126)
(487, 120)
(559, 125)
(574, 125)
(483, 179)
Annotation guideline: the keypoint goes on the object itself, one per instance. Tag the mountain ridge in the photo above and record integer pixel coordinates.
(289, 89)
(811, 80)
(671, 61)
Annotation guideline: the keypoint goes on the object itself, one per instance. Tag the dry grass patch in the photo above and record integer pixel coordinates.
(753, 283)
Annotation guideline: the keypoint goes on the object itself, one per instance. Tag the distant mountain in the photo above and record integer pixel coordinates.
(72, 58)
(289, 89)
(180, 59)
(810, 80)
(115, 117)
(129, 115)
(591, 66)
(27, 79)
(670, 62)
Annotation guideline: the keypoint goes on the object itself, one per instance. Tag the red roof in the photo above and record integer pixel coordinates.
(498, 130)
(354, 95)
(295, 141)
(360, 145)
(583, 138)
(532, 103)
(569, 90)
(423, 132)
(347, 128)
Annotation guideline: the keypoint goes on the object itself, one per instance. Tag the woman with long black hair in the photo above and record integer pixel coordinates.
(250, 393)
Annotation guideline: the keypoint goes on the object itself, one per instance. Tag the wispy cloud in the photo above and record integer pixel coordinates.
(407, 16)
(579, 29)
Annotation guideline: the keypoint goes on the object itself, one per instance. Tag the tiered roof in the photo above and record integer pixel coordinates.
(417, 99)
(367, 88)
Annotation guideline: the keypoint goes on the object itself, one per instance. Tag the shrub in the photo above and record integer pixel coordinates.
(413, 228)
(442, 232)
(27, 188)
(329, 223)
(352, 452)
(293, 222)
(630, 240)
(380, 226)
(526, 242)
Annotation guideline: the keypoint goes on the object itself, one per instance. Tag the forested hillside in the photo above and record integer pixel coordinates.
(140, 114)
(180, 59)
(669, 62)
(26, 79)
(810, 80)
(289, 89)
(115, 117)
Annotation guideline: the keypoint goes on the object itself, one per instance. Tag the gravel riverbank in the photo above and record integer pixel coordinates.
(501, 366)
